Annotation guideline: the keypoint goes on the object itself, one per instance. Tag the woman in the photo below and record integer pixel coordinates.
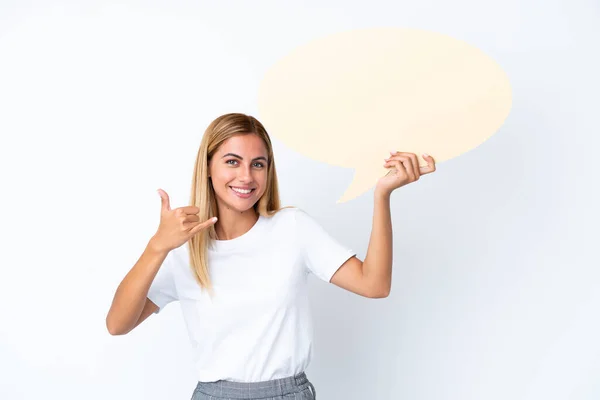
(241, 280)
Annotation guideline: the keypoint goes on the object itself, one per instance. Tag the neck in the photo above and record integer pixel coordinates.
(232, 224)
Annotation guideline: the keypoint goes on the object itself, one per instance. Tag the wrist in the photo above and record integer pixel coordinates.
(382, 195)
(154, 246)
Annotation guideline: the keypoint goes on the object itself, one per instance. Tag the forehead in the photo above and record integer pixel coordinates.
(249, 144)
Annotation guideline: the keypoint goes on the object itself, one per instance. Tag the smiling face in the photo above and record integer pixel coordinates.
(239, 163)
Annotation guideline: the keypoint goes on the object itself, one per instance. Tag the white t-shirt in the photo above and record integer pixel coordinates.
(258, 325)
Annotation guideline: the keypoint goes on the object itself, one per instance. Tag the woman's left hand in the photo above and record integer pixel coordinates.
(405, 170)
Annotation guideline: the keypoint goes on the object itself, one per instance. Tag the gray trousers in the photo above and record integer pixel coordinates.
(296, 387)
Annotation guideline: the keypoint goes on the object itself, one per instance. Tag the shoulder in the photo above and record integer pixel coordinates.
(287, 213)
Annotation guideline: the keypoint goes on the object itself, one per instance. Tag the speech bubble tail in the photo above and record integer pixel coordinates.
(363, 180)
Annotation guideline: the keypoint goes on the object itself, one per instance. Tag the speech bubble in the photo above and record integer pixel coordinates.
(349, 98)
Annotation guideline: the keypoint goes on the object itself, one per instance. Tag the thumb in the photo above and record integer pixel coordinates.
(164, 200)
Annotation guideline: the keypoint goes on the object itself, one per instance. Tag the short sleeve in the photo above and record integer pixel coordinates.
(162, 289)
(322, 254)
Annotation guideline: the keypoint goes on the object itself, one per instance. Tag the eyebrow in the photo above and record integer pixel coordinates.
(241, 158)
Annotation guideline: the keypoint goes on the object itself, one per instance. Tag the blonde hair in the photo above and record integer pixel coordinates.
(203, 194)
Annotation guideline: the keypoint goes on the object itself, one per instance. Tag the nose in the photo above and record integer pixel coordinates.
(245, 174)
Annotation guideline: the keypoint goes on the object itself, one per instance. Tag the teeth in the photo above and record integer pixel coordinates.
(242, 190)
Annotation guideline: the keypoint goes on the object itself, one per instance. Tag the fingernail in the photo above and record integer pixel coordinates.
(425, 155)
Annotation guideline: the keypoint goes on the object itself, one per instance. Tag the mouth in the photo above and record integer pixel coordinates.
(244, 194)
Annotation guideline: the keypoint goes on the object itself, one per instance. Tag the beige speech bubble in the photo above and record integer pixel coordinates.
(349, 98)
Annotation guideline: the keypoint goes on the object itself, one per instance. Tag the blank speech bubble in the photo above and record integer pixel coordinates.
(349, 98)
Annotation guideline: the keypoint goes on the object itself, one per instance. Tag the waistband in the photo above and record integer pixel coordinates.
(256, 390)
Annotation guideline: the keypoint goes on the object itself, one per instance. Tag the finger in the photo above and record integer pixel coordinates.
(408, 166)
(165, 203)
(203, 225)
(430, 164)
(392, 162)
(406, 161)
(415, 164)
(413, 158)
(398, 165)
(191, 218)
(422, 170)
(190, 210)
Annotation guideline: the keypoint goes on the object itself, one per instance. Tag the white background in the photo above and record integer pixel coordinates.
(495, 284)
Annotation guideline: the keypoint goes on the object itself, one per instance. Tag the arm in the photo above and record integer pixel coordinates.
(130, 298)
(377, 267)
(373, 277)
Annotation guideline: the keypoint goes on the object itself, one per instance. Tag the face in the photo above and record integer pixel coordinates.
(240, 163)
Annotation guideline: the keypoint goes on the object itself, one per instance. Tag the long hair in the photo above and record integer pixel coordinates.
(203, 193)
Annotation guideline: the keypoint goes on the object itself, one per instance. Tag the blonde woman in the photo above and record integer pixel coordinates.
(238, 262)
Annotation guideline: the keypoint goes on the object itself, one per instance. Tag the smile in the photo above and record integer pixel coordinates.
(242, 193)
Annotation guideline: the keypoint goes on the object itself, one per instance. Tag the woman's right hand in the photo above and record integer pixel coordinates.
(177, 226)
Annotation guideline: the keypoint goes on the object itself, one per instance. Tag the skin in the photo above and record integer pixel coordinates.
(237, 215)
(371, 278)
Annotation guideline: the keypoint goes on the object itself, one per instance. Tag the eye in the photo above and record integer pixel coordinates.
(256, 163)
